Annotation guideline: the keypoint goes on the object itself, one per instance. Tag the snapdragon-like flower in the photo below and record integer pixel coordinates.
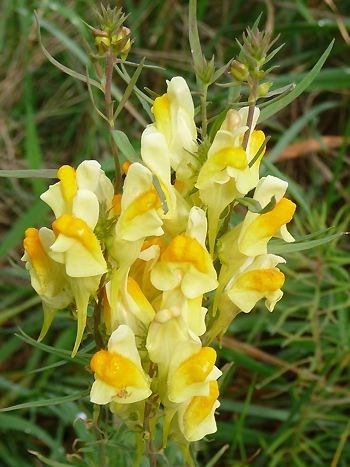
(256, 279)
(257, 229)
(174, 122)
(48, 278)
(191, 369)
(141, 207)
(185, 262)
(196, 417)
(119, 376)
(127, 304)
(80, 191)
(226, 175)
(142, 255)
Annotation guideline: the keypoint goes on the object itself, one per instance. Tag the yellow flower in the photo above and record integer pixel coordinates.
(127, 304)
(256, 279)
(166, 331)
(257, 229)
(80, 192)
(174, 121)
(79, 250)
(197, 417)
(191, 369)
(77, 247)
(119, 376)
(185, 262)
(48, 277)
(141, 207)
(226, 174)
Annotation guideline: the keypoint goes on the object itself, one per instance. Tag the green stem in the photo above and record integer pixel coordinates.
(252, 99)
(147, 424)
(109, 114)
(204, 110)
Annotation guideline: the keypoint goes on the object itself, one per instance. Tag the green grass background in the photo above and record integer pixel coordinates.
(286, 398)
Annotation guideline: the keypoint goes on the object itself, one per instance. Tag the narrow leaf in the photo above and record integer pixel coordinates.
(125, 146)
(59, 65)
(257, 155)
(31, 173)
(160, 194)
(277, 247)
(129, 89)
(195, 44)
(47, 402)
(300, 87)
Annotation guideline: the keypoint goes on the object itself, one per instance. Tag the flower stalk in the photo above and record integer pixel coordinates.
(139, 252)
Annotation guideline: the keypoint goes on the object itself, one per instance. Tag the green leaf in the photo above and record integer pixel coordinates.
(254, 206)
(125, 146)
(48, 461)
(214, 460)
(80, 357)
(260, 150)
(63, 68)
(30, 173)
(277, 247)
(32, 146)
(66, 40)
(47, 402)
(129, 89)
(161, 194)
(195, 45)
(220, 71)
(270, 110)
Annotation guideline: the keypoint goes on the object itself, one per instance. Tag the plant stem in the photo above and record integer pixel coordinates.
(204, 110)
(252, 99)
(147, 425)
(147, 430)
(97, 315)
(109, 113)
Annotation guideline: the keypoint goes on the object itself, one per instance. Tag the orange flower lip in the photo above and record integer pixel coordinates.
(261, 280)
(76, 228)
(67, 175)
(184, 249)
(35, 251)
(116, 370)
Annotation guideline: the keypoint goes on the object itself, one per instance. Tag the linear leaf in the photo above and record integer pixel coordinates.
(64, 68)
(129, 89)
(47, 402)
(30, 173)
(270, 110)
(125, 146)
(276, 247)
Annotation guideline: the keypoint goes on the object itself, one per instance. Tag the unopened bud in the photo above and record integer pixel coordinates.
(264, 88)
(121, 43)
(239, 71)
(102, 43)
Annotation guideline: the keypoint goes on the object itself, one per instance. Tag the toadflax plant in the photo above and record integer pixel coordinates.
(157, 253)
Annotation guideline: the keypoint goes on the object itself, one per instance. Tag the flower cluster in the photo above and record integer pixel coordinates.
(149, 257)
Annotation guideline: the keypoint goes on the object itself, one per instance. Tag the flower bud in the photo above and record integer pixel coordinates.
(121, 42)
(264, 88)
(239, 71)
(102, 43)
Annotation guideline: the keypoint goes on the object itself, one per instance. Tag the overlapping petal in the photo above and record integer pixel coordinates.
(119, 376)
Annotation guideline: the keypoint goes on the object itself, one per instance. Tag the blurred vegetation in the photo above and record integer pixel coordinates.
(286, 399)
